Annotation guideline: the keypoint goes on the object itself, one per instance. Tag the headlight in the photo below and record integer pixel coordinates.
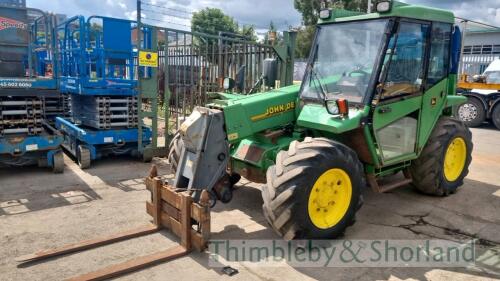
(383, 6)
(324, 14)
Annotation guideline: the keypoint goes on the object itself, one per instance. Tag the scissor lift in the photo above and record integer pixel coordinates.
(99, 76)
(28, 90)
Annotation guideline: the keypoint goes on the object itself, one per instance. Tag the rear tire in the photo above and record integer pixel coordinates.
(472, 112)
(83, 157)
(174, 153)
(444, 162)
(495, 116)
(58, 163)
(314, 190)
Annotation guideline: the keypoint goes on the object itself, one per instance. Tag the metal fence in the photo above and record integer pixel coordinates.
(193, 65)
(476, 64)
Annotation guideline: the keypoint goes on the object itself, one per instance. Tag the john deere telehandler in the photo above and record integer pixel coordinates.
(376, 100)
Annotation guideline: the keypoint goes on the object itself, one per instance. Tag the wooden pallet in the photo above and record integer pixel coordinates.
(170, 210)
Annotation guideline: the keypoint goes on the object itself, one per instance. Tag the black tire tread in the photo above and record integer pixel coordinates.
(58, 163)
(280, 194)
(83, 157)
(427, 170)
(495, 116)
(175, 151)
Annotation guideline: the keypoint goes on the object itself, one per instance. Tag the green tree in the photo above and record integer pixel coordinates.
(248, 31)
(310, 8)
(305, 36)
(272, 28)
(310, 13)
(212, 21)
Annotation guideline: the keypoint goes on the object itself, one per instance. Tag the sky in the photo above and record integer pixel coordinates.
(250, 12)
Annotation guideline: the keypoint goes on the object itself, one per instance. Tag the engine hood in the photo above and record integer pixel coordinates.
(315, 116)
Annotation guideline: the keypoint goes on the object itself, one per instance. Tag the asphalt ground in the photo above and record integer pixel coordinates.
(41, 210)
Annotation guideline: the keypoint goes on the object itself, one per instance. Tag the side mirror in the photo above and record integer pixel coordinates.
(337, 107)
(228, 83)
(331, 107)
(270, 72)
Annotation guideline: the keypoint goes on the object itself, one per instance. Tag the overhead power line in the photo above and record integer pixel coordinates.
(166, 14)
(168, 8)
(165, 21)
(477, 22)
(162, 10)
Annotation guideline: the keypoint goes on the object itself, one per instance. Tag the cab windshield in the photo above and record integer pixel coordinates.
(343, 60)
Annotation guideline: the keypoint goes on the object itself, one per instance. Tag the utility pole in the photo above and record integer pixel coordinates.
(369, 9)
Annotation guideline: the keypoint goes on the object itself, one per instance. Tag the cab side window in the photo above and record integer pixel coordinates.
(439, 60)
(404, 61)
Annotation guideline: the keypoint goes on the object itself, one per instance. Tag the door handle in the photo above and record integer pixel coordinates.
(383, 110)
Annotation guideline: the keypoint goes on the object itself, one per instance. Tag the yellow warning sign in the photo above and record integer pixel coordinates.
(149, 59)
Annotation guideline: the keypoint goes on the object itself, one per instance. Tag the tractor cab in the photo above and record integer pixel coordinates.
(389, 69)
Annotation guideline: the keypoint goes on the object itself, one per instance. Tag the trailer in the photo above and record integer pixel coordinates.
(482, 88)
(99, 73)
(28, 90)
(483, 97)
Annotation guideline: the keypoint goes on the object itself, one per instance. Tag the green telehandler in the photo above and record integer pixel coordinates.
(376, 100)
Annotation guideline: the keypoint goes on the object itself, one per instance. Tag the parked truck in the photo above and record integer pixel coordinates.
(483, 97)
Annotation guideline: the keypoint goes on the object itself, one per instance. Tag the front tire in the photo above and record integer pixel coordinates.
(314, 190)
(174, 153)
(444, 162)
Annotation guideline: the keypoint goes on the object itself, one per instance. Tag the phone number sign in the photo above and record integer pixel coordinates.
(15, 84)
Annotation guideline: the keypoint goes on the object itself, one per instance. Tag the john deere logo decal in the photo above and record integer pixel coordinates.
(6, 23)
(274, 110)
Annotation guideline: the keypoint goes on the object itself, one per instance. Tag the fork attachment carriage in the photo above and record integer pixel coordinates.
(170, 210)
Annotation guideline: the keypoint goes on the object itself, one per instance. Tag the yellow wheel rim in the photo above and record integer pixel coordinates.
(454, 159)
(329, 198)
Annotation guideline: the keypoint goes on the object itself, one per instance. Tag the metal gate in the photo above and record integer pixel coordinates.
(192, 66)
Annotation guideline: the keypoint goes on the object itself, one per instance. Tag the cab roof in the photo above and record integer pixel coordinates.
(398, 9)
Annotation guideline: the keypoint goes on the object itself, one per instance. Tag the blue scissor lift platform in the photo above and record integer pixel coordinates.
(29, 98)
(99, 77)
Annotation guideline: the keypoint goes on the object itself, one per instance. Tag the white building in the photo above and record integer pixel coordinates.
(481, 47)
